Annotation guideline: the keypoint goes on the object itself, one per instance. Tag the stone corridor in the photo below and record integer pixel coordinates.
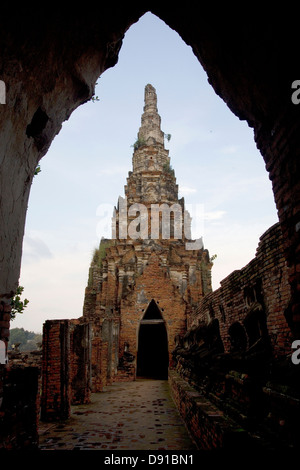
(137, 415)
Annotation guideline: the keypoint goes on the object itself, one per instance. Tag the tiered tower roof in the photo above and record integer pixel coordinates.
(152, 179)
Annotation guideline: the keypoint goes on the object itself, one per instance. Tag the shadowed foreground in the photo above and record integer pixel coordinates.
(136, 415)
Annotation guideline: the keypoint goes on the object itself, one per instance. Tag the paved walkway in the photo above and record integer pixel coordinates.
(136, 415)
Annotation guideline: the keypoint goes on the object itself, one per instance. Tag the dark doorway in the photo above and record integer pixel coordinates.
(153, 356)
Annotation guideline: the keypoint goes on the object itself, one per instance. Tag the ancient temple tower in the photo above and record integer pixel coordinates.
(146, 281)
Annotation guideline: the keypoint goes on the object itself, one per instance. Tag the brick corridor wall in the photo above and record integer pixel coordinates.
(80, 362)
(19, 416)
(207, 425)
(253, 382)
(106, 353)
(263, 283)
(97, 382)
(66, 367)
(280, 149)
(56, 390)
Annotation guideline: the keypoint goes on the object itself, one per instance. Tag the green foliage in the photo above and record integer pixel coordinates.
(138, 143)
(37, 170)
(167, 168)
(17, 304)
(97, 258)
(99, 254)
(90, 278)
(28, 339)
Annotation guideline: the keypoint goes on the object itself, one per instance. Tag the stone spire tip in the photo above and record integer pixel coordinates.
(150, 131)
(150, 97)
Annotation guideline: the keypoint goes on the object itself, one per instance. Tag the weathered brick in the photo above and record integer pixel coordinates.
(126, 275)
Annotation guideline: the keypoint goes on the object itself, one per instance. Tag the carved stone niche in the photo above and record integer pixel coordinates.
(238, 337)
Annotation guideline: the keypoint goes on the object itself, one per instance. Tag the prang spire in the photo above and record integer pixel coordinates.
(152, 180)
(149, 150)
(150, 132)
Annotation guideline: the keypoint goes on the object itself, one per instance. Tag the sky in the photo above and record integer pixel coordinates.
(217, 166)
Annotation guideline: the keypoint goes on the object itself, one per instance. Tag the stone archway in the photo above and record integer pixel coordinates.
(51, 61)
(152, 354)
(50, 64)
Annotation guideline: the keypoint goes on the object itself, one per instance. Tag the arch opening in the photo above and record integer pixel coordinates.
(152, 354)
(109, 80)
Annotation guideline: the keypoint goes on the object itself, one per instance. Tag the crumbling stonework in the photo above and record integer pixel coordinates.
(151, 312)
(144, 276)
(251, 303)
(65, 368)
(237, 357)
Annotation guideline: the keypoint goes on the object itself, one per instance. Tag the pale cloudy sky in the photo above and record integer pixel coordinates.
(216, 163)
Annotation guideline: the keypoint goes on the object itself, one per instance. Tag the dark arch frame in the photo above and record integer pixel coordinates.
(246, 63)
(243, 54)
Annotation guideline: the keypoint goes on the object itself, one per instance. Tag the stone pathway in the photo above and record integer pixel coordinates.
(136, 415)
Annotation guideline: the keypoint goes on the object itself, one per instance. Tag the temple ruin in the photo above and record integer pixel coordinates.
(149, 311)
(232, 376)
(145, 283)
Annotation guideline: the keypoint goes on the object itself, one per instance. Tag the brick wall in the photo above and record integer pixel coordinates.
(80, 362)
(281, 155)
(154, 284)
(19, 415)
(116, 326)
(56, 390)
(207, 424)
(234, 364)
(65, 367)
(261, 286)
